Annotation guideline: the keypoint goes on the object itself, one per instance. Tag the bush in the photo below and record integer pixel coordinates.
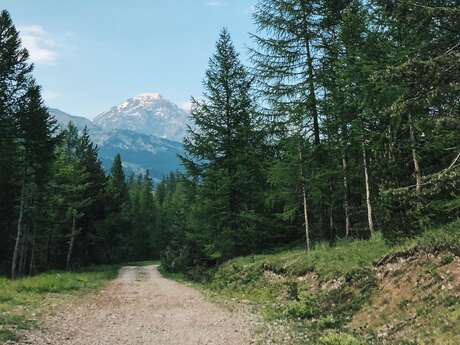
(447, 259)
(407, 213)
(307, 307)
(443, 238)
(334, 338)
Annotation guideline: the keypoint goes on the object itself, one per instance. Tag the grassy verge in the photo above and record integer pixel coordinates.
(338, 296)
(22, 300)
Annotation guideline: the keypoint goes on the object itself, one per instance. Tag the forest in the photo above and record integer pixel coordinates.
(344, 123)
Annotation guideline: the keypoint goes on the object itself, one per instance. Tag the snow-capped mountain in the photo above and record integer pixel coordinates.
(148, 113)
(139, 151)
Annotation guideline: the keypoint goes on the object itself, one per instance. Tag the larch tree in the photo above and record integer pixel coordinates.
(222, 153)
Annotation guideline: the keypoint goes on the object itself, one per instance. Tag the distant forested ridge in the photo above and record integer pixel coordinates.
(345, 123)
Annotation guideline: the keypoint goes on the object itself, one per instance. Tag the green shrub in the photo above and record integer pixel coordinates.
(446, 237)
(329, 322)
(407, 213)
(334, 338)
(7, 335)
(293, 290)
(447, 259)
(307, 307)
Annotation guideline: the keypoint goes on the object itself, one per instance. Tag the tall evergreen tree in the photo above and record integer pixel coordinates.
(35, 134)
(117, 186)
(287, 67)
(217, 154)
(26, 144)
(285, 62)
(14, 74)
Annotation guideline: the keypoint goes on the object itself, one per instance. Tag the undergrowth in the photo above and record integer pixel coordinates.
(319, 292)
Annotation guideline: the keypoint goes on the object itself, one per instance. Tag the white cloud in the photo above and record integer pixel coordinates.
(40, 44)
(215, 3)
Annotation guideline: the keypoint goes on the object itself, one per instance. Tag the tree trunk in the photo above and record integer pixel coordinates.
(19, 231)
(72, 240)
(32, 253)
(305, 205)
(346, 202)
(23, 251)
(305, 214)
(48, 248)
(417, 171)
(332, 235)
(310, 76)
(368, 191)
(312, 94)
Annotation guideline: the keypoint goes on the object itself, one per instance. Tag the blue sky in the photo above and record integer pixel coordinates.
(92, 54)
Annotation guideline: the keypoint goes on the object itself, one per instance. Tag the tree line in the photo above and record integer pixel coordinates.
(59, 209)
(346, 122)
(343, 102)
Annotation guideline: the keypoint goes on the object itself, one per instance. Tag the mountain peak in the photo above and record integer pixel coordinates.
(147, 113)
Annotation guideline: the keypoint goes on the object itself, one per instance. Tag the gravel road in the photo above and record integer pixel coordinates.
(141, 307)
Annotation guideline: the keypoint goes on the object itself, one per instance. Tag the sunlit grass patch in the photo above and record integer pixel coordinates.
(22, 299)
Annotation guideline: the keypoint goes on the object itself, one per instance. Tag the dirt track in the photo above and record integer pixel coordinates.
(143, 308)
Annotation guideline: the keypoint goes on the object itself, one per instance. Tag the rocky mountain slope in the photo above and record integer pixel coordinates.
(147, 113)
(147, 130)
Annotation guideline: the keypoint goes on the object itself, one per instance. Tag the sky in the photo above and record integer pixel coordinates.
(92, 54)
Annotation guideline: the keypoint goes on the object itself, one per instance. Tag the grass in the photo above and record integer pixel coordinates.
(319, 293)
(22, 300)
(328, 262)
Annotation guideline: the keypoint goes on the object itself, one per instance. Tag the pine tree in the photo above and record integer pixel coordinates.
(14, 73)
(287, 67)
(36, 129)
(118, 227)
(425, 72)
(95, 211)
(285, 62)
(117, 186)
(26, 143)
(217, 154)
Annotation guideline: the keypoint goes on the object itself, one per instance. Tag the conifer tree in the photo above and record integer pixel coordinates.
(95, 210)
(285, 62)
(26, 143)
(425, 72)
(35, 133)
(14, 73)
(217, 154)
(117, 186)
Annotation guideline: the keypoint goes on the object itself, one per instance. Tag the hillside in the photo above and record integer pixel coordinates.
(356, 293)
